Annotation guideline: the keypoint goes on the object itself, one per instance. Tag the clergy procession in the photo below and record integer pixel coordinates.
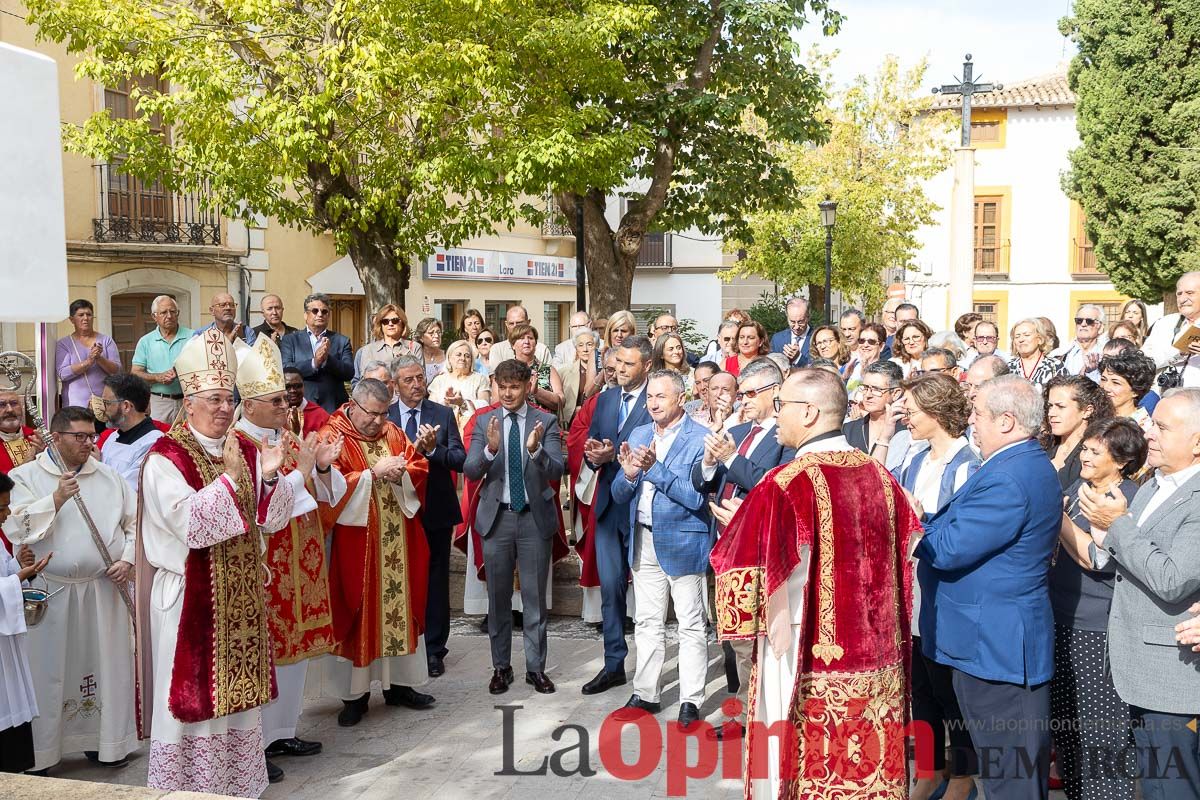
(913, 569)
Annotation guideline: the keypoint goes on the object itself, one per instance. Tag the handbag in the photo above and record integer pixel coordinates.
(95, 401)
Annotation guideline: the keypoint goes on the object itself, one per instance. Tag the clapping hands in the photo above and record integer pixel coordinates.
(718, 446)
(635, 460)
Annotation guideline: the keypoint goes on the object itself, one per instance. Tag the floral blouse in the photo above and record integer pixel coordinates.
(1046, 368)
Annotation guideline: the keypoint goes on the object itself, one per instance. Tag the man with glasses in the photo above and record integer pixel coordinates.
(987, 337)
(379, 559)
(154, 359)
(1082, 355)
(273, 324)
(663, 324)
(224, 319)
(81, 654)
(733, 464)
(888, 314)
(879, 432)
(323, 357)
(939, 359)
(303, 417)
(298, 593)
(825, 628)
(124, 445)
(795, 341)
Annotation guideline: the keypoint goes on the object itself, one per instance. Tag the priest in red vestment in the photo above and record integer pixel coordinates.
(303, 417)
(379, 558)
(18, 442)
(583, 487)
(814, 567)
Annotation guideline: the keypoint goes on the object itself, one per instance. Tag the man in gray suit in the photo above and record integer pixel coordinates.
(516, 452)
(1156, 547)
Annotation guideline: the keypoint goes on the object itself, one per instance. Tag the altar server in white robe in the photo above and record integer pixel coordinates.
(82, 652)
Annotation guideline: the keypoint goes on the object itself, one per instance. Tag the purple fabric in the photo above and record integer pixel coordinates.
(78, 388)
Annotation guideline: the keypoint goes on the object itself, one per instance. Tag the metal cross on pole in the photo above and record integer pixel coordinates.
(967, 87)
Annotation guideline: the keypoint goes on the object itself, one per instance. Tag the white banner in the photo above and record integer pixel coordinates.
(496, 265)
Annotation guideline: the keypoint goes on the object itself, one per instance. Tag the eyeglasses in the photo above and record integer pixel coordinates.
(317, 312)
(1086, 320)
(278, 402)
(875, 391)
(931, 371)
(216, 402)
(985, 338)
(750, 394)
(80, 438)
(779, 404)
(670, 328)
(389, 321)
(373, 414)
(868, 342)
(10, 403)
(107, 402)
(167, 313)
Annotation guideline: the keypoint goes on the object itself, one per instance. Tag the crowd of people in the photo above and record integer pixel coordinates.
(1003, 547)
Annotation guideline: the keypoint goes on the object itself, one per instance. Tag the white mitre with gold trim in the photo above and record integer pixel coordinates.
(206, 362)
(260, 369)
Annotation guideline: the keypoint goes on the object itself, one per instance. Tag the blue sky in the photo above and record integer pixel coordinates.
(1008, 41)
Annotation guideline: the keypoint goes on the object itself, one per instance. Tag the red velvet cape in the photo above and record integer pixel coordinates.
(585, 540)
(199, 653)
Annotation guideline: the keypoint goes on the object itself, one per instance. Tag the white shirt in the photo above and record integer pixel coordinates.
(928, 485)
(564, 352)
(313, 341)
(662, 445)
(1167, 486)
(768, 426)
(1073, 354)
(522, 418)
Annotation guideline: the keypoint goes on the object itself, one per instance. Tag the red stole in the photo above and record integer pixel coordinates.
(378, 574)
(585, 540)
(559, 549)
(223, 652)
(855, 645)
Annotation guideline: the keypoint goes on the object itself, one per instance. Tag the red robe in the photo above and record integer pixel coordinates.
(585, 540)
(312, 419)
(378, 574)
(559, 549)
(12, 455)
(855, 644)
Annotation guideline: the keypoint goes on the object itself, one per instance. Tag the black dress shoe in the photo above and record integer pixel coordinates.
(353, 711)
(540, 683)
(634, 708)
(292, 747)
(39, 773)
(730, 728)
(501, 680)
(688, 715)
(94, 757)
(437, 667)
(604, 681)
(408, 697)
(274, 773)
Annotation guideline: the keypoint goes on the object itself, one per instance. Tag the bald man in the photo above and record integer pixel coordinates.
(272, 324)
(224, 318)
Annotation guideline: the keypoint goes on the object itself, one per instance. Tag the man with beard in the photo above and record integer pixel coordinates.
(80, 653)
(18, 442)
(224, 314)
(204, 643)
(124, 446)
(379, 559)
(298, 592)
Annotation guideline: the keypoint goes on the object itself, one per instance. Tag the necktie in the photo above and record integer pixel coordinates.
(743, 451)
(516, 477)
(410, 427)
(625, 398)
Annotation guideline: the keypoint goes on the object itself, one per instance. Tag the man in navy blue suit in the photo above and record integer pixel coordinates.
(324, 358)
(984, 561)
(795, 340)
(618, 411)
(434, 431)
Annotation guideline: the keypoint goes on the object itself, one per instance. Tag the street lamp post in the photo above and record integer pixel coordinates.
(828, 220)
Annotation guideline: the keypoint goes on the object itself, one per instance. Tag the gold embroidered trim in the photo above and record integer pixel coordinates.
(826, 647)
(20, 451)
(889, 496)
(241, 640)
(395, 600)
(741, 603)
(828, 458)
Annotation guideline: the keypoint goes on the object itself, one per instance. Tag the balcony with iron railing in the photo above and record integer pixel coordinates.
(555, 225)
(133, 211)
(656, 250)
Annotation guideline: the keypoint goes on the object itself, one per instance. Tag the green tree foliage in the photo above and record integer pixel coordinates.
(397, 125)
(695, 77)
(1137, 172)
(770, 311)
(883, 144)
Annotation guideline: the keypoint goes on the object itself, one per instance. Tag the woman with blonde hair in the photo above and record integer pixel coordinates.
(1032, 343)
(389, 339)
(1134, 311)
(620, 325)
(460, 387)
(670, 353)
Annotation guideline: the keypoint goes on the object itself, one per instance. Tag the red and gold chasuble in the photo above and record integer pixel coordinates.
(223, 653)
(853, 664)
(12, 455)
(378, 574)
(299, 614)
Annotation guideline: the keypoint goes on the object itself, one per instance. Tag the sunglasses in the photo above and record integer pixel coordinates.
(484, 340)
(1086, 321)
(868, 342)
(750, 394)
(985, 338)
(319, 312)
(390, 321)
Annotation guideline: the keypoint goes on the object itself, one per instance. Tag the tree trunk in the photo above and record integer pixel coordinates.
(611, 257)
(1170, 304)
(384, 275)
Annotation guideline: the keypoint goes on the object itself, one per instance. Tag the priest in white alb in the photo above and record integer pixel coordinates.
(82, 652)
(204, 647)
(298, 607)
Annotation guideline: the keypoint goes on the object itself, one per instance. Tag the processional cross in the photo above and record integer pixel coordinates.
(966, 88)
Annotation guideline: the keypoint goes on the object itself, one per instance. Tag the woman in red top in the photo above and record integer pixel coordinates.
(752, 342)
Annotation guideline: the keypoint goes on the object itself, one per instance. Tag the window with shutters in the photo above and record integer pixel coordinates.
(991, 235)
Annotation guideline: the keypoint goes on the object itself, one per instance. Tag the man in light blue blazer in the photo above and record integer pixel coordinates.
(983, 567)
(668, 545)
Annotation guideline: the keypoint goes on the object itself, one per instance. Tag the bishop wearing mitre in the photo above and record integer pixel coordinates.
(379, 559)
(204, 642)
(814, 569)
(298, 608)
